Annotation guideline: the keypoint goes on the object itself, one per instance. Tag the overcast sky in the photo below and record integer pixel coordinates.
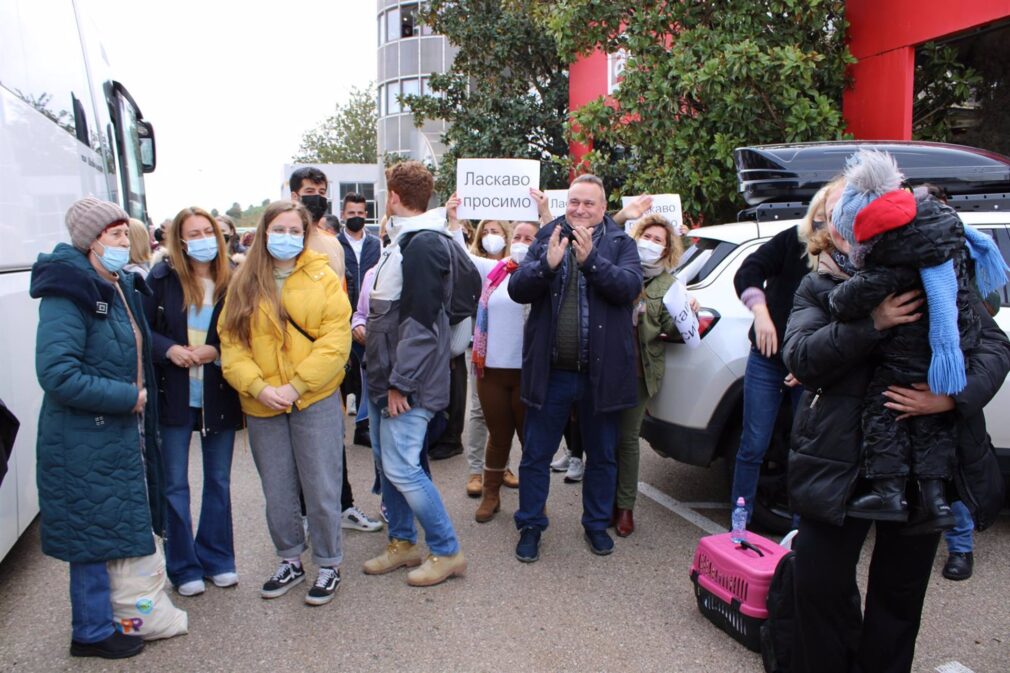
(231, 86)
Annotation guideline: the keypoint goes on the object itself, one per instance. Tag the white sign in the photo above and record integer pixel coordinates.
(497, 189)
(615, 69)
(667, 205)
(557, 200)
(676, 302)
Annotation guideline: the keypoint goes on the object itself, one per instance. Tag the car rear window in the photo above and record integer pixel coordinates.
(701, 259)
(1001, 234)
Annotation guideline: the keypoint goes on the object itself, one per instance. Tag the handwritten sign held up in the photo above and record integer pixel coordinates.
(676, 302)
(497, 189)
(667, 205)
(557, 200)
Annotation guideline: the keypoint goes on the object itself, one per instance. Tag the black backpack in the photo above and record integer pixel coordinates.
(777, 631)
(465, 283)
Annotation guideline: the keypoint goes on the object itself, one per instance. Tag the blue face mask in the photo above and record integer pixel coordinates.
(202, 249)
(284, 246)
(114, 259)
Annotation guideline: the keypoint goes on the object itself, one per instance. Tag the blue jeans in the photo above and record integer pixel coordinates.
(959, 538)
(543, 430)
(90, 602)
(363, 402)
(762, 396)
(407, 491)
(212, 551)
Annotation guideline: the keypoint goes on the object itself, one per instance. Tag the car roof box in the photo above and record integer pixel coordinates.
(777, 173)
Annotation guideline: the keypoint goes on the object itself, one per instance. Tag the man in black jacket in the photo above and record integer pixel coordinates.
(581, 277)
(361, 252)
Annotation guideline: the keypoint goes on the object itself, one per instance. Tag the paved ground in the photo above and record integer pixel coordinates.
(571, 611)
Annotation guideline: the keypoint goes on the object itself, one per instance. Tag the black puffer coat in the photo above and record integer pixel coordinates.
(835, 362)
(892, 265)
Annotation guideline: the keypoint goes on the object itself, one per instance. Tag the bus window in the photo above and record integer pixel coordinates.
(57, 85)
(131, 133)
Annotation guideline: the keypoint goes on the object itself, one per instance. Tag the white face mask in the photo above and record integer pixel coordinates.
(649, 252)
(493, 243)
(518, 252)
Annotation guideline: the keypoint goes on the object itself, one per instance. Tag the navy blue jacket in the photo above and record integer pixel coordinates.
(167, 315)
(354, 270)
(613, 275)
(101, 482)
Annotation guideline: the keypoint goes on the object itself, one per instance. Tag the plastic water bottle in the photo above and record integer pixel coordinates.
(739, 533)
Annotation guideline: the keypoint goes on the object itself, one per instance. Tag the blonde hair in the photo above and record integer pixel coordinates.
(254, 281)
(674, 246)
(220, 272)
(817, 239)
(140, 242)
(477, 247)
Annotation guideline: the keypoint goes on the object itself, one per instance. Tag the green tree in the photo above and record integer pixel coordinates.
(506, 94)
(345, 137)
(943, 86)
(235, 212)
(702, 78)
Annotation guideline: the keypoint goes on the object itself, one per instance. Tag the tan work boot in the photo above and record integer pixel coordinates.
(398, 554)
(437, 569)
(510, 480)
(491, 501)
(473, 485)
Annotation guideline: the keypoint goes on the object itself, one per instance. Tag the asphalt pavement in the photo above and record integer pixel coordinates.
(572, 611)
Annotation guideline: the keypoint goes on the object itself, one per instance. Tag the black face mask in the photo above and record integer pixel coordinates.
(316, 204)
(355, 224)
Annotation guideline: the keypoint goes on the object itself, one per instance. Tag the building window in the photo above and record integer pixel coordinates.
(410, 25)
(392, 103)
(411, 87)
(366, 189)
(392, 25)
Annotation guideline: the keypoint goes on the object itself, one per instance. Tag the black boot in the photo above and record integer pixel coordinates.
(884, 502)
(116, 646)
(959, 565)
(361, 435)
(932, 514)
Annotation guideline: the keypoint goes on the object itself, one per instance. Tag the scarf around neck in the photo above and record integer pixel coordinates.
(499, 273)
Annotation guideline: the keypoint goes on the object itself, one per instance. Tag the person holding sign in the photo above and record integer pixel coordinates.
(660, 249)
(581, 277)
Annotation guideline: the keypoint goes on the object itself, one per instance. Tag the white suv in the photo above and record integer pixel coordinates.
(696, 416)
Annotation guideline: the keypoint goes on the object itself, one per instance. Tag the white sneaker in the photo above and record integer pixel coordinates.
(576, 468)
(561, 464)
(354, 519)
(352, 406)
(194, 588)
(225, 580)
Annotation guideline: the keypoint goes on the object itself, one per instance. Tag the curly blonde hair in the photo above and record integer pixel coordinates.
(674, 245)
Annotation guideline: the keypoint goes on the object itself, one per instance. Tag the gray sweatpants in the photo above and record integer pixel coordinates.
(476, 434)
(294, 448)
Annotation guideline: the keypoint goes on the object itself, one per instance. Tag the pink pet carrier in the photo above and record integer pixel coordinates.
(731, 583)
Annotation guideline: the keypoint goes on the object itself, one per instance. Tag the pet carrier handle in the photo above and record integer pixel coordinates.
(748, 545)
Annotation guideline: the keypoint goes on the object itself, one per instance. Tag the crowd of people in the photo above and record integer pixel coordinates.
(314, 317)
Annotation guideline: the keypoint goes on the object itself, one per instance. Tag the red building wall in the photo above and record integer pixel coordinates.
(883, 35)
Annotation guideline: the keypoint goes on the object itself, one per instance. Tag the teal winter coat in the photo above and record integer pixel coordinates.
(100, 481)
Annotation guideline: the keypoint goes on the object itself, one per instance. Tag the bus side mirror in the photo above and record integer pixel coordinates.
(148, 156)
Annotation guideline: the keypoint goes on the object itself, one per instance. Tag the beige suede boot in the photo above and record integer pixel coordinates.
(399, 553)
(437, 569)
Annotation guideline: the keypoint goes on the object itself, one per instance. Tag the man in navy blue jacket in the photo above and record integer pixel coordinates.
(581, 277)
(361, 252)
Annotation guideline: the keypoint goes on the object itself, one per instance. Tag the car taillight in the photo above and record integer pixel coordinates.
(707, 318)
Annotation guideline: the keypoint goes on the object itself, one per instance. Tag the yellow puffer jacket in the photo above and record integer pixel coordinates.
(315, 299)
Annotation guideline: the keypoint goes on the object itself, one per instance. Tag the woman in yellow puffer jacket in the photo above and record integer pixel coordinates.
(285, 337)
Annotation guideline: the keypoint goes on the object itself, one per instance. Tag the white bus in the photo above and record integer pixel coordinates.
(67, 130)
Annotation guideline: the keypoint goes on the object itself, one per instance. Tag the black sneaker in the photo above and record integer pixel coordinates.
(528, 549)
(326, 585)
(362, 437)
(287, 575)
(443, 451)
(116, 646)
(600, 543)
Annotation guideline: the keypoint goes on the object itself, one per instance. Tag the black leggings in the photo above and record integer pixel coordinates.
(830, 635)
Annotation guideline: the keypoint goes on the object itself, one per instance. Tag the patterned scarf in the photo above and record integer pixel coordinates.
(499, 273)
